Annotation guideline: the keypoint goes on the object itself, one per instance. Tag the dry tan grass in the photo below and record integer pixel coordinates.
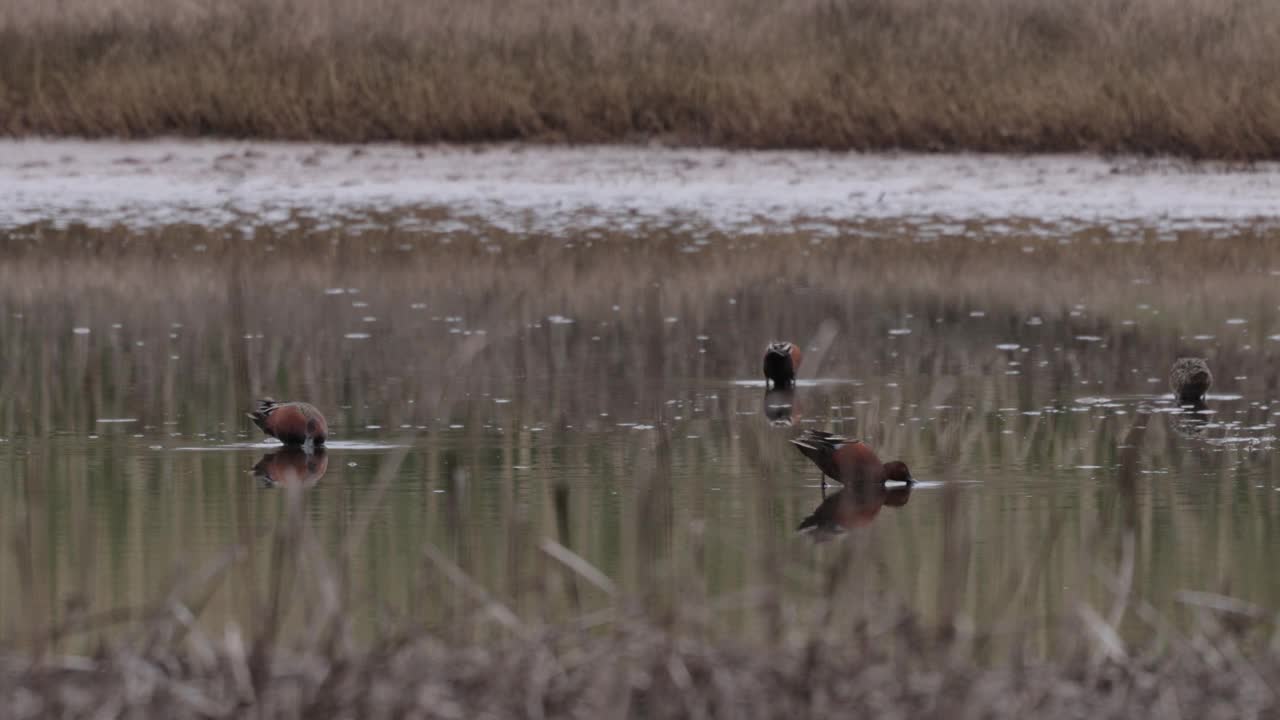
(1154, 76)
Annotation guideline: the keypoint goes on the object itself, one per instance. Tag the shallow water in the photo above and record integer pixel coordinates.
(487, 391)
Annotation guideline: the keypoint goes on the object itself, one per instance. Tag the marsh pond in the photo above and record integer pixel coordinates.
(549, 383)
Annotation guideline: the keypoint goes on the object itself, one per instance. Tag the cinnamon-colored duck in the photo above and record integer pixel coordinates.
(848, 461)
(292, 423)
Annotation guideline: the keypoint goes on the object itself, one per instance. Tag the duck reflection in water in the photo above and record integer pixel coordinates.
(1192, 421)
(780, 407)
(291, 465)
(1190, 380)
(853, 506)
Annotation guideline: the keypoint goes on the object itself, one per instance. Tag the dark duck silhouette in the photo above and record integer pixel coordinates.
(1190, 379)
(292, 423)
(848, 461)
(781, 361)
(291, 465)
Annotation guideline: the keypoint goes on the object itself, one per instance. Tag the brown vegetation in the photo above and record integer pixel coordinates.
(1194, 78)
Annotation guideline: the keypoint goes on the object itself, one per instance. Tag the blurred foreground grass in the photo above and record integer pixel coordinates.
(848, 648)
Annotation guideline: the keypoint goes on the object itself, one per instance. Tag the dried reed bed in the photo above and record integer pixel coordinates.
(1193, 78)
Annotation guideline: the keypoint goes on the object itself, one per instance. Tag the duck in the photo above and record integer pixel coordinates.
(1190, 379)
(849, 461)
(781, 361)
(292, 423)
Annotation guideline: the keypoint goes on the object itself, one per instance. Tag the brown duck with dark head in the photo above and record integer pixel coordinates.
(292, 423)
(848, 461)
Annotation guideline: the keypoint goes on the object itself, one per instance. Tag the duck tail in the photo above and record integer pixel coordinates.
(809, 523)
(259, 414)
(818, 453)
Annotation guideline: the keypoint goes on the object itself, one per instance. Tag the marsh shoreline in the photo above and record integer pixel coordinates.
(547, 189)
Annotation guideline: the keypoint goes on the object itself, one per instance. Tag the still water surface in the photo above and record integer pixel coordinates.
(604, 392)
